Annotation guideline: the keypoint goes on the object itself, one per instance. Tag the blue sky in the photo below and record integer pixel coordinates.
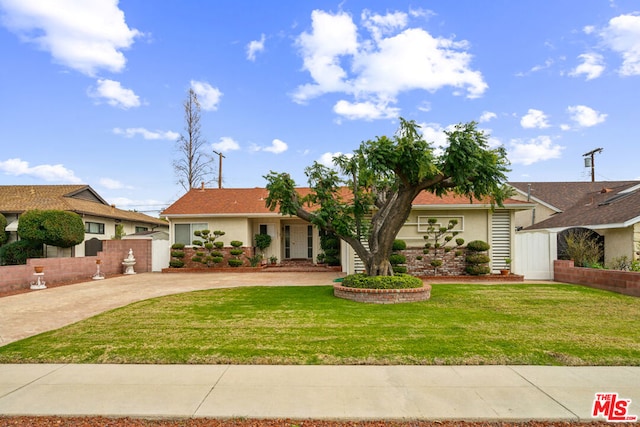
(92, 91)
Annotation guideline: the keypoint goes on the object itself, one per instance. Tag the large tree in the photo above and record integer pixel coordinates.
(193, 165)
(369, 197)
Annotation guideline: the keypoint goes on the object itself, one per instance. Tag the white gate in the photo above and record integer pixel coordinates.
(160, 254)
(534, 254)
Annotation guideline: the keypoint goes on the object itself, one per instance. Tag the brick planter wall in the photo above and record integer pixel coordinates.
(192, 265)
(452, 265)
(383, 296)
(56, 270)
(623, 282)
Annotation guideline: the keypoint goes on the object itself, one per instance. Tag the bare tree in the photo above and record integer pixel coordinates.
(194, 164)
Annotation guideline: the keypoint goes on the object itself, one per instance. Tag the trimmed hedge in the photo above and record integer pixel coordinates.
(400, 281)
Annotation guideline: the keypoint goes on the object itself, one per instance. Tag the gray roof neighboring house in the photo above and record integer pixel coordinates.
(604, 204)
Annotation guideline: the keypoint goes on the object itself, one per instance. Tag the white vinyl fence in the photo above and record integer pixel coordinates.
(534, 254)
(160, 254)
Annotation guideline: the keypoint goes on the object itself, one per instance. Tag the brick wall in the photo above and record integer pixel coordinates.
(623, 282)
(452, 265)
(58, 270)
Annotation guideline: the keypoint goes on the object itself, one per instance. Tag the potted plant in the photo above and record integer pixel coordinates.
(505, 271)
(273, 259)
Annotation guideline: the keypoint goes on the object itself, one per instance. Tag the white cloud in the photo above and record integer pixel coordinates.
(49, 173)
(623, 36)
(86, 36)
(365, 110)
(534, 119)
(113, 184)
(592, 66)
(114, 94)
(277, 147)
(254, 47)
(536, 150)
(585, 116)
(487, 116)
(327, 159)
(434, 133)
(395, 59)
(147, 134)
(208, 95)
(588, 29)
(226, 144)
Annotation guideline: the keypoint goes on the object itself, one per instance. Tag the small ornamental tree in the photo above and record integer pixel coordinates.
(437, 240)
(367, 200)
(206, 248)
(52, 227)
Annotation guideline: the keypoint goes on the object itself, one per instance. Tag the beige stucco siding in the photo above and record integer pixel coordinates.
(619, 242)
(472, 225)
(527, 218)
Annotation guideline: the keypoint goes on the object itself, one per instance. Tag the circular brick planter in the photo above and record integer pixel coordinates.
(383, 296)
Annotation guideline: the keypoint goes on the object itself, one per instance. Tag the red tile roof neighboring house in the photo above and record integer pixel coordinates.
(251, 202)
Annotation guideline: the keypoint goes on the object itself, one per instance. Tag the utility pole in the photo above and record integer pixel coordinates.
(590, 162)
(221, 156)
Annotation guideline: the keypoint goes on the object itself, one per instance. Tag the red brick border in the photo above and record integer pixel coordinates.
(383, 296)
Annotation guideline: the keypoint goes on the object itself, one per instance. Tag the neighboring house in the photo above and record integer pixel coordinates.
(241, 213)
(99, 217)
(610, 208)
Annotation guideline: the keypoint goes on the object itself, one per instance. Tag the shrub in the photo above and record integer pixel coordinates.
(236, 243)
(396, 259)
(176, 263)
(177, 246)
(400, 281)
(478, 246)
(399, 269)
(263, 241)
(52, 227)
(236, 252)
(216, 259)
(476, 258)
(177, 254)
(582, 246)
(3, 235)
(254, 260)
(477, 269)
(196, 259)
(17, 253)
(216, 254)
(235, 262)
(330, 245)
(197, 242)
(399, 245)
(218, 245)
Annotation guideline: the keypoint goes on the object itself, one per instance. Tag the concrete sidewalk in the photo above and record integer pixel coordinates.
(492, 393)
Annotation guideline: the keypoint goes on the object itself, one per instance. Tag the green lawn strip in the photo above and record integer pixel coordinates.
(540, 324)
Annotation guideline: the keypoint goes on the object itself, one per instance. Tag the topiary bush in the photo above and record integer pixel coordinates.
(17, 253)
(233, 262)
(330, 245)
(52, 227)
(176, 263)
(399, 245)
(399, 281)
(477, 261)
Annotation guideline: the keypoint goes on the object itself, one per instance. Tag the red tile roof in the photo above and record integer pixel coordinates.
(251, 201)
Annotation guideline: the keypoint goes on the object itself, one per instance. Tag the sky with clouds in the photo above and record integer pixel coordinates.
(92, 91)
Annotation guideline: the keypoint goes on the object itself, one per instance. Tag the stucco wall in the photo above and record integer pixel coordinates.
(618, 243)
(473, 225)
(529, 217)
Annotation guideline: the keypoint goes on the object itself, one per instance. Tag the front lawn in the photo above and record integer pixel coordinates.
(536, 324)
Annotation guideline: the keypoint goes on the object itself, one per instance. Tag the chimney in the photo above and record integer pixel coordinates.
(202, 186)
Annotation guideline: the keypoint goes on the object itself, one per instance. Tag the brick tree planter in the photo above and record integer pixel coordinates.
(383, 296)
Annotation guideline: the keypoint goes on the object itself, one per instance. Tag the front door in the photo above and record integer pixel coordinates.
(297, 241)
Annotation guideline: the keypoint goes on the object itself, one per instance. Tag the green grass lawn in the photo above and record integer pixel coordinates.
(536, 324)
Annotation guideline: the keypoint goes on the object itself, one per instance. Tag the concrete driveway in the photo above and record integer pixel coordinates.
(28, 314)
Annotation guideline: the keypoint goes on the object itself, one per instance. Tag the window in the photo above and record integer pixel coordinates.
(94, 228)
(184, 232)
(263, 229)
(140, 229)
